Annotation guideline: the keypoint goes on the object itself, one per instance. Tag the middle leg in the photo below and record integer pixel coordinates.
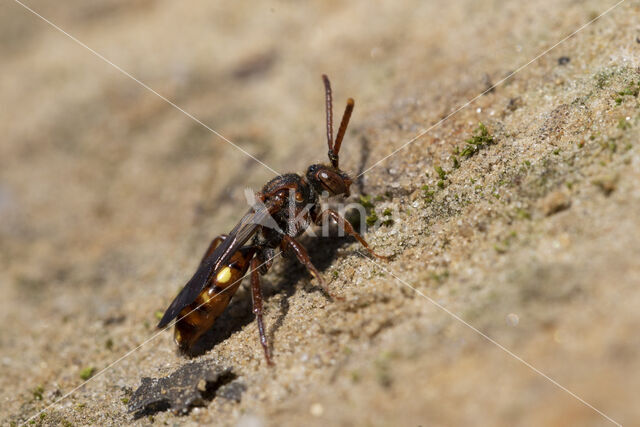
(303, 257)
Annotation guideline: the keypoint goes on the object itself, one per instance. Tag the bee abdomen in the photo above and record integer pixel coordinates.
(199, 316)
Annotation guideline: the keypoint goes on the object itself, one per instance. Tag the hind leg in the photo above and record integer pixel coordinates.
(212, 246)
(256, 296)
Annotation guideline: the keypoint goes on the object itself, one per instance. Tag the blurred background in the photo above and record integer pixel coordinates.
(109, 194)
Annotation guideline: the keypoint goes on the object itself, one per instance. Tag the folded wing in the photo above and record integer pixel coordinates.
(250, 223)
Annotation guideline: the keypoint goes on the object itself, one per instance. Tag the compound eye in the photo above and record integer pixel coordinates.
(299, 198)
(332, 182)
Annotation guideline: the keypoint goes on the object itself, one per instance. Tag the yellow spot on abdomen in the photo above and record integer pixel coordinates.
(224, 275)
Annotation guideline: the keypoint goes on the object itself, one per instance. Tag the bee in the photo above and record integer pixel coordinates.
(284, 209)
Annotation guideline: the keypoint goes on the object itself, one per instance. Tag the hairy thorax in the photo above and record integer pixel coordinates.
(297, 198)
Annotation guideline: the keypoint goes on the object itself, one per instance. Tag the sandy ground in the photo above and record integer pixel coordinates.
(109, 195)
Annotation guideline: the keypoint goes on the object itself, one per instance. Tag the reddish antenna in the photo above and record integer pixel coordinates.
(329, 108)
(341, 130)
(334, 149)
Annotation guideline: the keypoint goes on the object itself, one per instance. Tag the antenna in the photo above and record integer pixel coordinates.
(329, 108)
(341, 131)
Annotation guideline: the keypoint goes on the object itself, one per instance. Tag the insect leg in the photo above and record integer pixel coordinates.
(214, 244)
(256, 296)
(266, 259)
(303, 257)
(348, 228)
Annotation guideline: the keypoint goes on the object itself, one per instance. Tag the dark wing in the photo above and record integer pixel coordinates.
(246, 228)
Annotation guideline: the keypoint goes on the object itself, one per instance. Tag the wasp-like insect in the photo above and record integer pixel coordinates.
(285, 207)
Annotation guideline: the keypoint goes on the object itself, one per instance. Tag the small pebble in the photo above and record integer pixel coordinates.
(555, 202)
(606, 183)
(316, 409)
(249, 420)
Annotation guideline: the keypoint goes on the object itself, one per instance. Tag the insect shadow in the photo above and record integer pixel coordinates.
(239, 312)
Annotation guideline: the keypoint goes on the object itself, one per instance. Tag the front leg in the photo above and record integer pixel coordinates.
(256, 296)
(303, 257)
(348, 228)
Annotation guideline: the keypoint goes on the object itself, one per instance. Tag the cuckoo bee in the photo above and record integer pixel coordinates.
(285, 207)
